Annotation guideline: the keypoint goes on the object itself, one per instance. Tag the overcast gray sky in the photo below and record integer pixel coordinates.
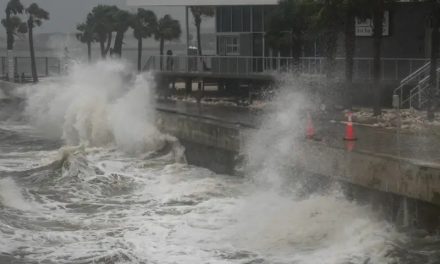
(66, 14)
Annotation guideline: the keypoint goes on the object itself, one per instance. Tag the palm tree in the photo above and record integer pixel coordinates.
(36, 15)
(329, 22)
(121, 22)
(198, 13)
(288, 24)
(378, 8)
(351, 9)
(12, 24)
(167, 29)
(144, 24)
(86, 35)
(101, 18)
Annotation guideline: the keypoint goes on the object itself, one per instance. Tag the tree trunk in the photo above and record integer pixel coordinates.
(162, 44)
(102, 47)
(331, 39)
(296, 53)
(198, 22)
(119, 40)
(9, 33)
(377, 64)
(350, 46)
(432, 89)
(31, 48)
(140, 54)
(10, 46)
(89, 51)
(330, 50)
(109, 42)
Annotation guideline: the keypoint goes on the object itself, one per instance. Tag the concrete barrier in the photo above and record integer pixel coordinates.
(403, 177)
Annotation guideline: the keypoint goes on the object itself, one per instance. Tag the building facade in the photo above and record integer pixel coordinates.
(241, 26)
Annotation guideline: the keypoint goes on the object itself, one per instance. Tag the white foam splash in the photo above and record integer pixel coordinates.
(95, 105)
(323, 228)
(11, 196)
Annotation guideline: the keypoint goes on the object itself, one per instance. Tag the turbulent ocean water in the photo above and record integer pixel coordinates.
(85, 177)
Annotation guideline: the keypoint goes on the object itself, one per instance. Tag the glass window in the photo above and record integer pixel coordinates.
(237, 19)
(218, 17)
(258, 45)
(226, 19)
(257, 19)
(246, 19)
(229, 45)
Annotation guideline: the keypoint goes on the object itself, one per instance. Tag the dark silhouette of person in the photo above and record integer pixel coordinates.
(170, 61)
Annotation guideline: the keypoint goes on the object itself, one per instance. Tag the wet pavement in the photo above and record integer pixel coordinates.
(380, 141)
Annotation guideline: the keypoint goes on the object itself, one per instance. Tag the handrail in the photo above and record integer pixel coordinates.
(413, 75)
(421, 86)
(393, 69)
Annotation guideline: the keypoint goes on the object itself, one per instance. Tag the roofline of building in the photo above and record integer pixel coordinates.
(199, 3)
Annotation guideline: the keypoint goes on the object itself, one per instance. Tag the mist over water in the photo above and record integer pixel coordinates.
(88, 178)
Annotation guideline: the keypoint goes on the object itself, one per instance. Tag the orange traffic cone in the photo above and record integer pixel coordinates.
(310, 132)
(349, 130)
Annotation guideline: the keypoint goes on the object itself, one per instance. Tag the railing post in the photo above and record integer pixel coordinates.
(396, 65)
(15, 67)
(383, 69)
(308, 66)
(47, 66)
(3, 66)
(369, 70)
(237, 68)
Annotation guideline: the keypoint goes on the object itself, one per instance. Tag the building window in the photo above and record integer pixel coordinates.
(246, 19)
(229, 45)
(257, 19)
(237, 19)
(226, 19)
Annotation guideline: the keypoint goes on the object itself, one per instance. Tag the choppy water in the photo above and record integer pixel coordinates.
(72, 197)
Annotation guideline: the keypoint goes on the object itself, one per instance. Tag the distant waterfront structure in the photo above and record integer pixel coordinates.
(239, 24)
(241, 27)
(243, 51)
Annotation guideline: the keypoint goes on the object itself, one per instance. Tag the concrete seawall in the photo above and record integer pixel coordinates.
(217, 144)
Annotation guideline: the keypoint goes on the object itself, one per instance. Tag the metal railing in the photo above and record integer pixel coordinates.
(46, 66)
(393, 69)
(418, 96)
(416, 77)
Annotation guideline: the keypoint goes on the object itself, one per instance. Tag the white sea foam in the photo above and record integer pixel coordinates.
(11, 196)
(96, 105)
(322, 228)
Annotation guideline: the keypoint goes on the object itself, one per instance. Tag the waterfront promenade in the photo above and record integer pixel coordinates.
(423, 148)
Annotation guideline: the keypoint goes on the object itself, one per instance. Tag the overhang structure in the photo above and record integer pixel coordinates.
(199, 2)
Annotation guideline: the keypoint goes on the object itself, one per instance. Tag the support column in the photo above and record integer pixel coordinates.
(187, 28)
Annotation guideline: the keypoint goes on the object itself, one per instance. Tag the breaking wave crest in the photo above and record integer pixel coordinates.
(96, 105)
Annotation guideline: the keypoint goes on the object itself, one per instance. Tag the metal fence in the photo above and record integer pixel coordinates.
(393, 69)
(46, 66)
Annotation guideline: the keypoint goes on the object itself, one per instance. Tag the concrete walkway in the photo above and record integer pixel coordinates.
(378, 141)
